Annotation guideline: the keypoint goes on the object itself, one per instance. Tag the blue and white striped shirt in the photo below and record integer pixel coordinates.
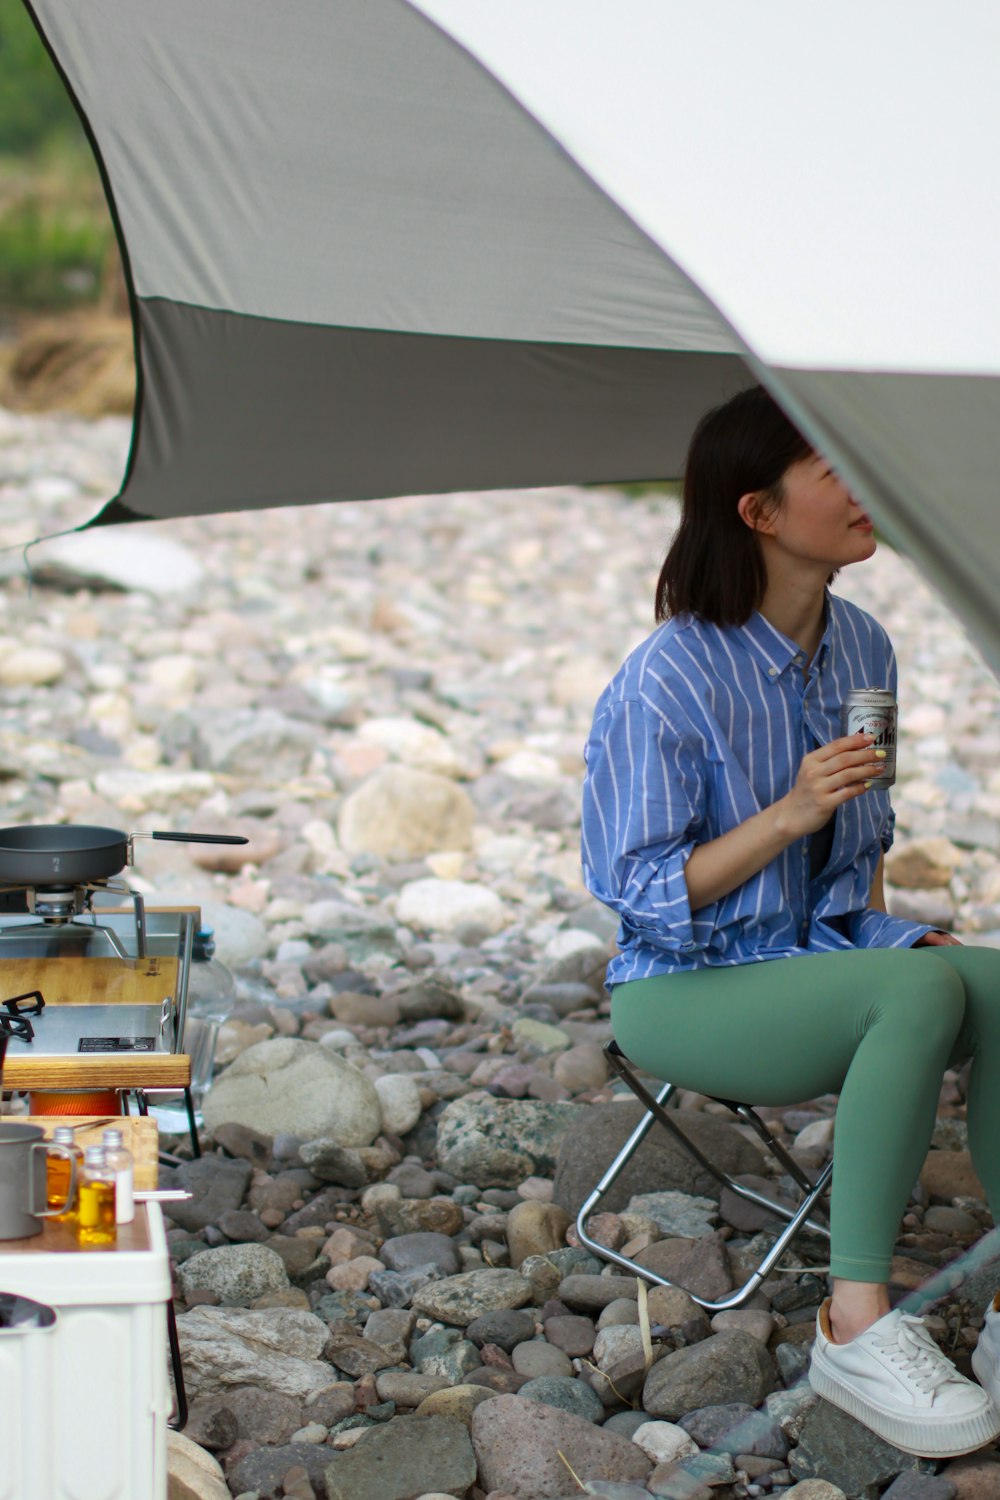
(703, 726)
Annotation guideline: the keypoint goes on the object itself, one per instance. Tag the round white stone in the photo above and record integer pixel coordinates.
(664, 1442)
(399, 1098)
(31, 666)
(450, 908)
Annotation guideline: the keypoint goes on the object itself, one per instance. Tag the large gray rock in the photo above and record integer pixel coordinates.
(240, 937)
(518, 1443)
(298, 1087)
(459, 1300)
(736, 1428)
(406, 813)
(277, 1348)
(218, 1187)
(444, 1352)
(728, 1367)
(405, 1458)
(357, 929)
(676, 1213)
(698, 1266)
(499, 1142)
(835, 1447)
(331, 1162)
(591, 1144)
(505, 1328)
(404, 1252)
(238, 1274)
(790, 1408)
(264, 1416)
(430, 998)
(565, 1393)
(262, 1473)
(260, 743)
(355, 1354)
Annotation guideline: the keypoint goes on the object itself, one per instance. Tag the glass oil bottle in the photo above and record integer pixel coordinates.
(96, 1225)
(58, 1174)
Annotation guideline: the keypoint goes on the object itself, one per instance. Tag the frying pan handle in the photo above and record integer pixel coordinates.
(196, 838)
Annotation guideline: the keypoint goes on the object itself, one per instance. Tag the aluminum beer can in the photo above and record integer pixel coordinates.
(873, 711)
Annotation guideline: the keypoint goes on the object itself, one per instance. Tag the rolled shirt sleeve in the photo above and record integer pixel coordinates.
(643, 805)
(877, 929)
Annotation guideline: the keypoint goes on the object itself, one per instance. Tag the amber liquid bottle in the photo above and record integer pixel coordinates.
(95, 1225)
(57, 1174)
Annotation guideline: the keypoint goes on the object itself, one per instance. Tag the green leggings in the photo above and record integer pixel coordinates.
(876, 1025)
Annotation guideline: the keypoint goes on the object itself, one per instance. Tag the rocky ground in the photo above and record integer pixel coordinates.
(380, 1291)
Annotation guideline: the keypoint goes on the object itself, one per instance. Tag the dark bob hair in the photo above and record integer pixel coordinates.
(714, 568)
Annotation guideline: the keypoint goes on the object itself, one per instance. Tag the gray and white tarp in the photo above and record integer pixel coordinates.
(404, 246)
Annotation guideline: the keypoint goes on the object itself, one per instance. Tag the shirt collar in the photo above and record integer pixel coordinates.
(774, 652)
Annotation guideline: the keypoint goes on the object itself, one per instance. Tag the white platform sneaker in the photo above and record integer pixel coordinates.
(894, 1379)
(986, 1355)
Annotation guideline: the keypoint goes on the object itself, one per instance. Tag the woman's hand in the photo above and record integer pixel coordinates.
(827, 778)
(938, 940)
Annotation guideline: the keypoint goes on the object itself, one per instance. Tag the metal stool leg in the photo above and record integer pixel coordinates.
(192, 1123)
(142, 1104)
(797, 1219)
(181, 1414)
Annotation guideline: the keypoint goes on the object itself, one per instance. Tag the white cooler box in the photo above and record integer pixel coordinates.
(84, 1403)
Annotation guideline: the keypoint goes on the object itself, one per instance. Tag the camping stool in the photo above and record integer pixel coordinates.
(798, 1218)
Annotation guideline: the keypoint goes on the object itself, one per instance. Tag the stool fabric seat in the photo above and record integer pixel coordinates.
(797, 1217)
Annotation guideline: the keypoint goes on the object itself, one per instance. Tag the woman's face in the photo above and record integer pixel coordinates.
(819, 521)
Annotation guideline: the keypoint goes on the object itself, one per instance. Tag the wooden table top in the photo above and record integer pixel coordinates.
(60, 1239)
(95, 1070)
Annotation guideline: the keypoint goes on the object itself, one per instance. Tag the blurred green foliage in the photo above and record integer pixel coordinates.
(670, 488)
(36, 112)
(52, 251)
(55, 229)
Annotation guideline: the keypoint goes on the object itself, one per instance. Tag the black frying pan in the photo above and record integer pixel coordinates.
(61, 854)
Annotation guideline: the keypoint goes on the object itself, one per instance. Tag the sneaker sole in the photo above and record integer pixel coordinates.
(910, 1435)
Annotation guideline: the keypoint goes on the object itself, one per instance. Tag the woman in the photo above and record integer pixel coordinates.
(732, 827)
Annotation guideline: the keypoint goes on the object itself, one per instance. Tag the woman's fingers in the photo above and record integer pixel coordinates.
(832, 775)
(858, 755)
(828, 771)
(845, 745)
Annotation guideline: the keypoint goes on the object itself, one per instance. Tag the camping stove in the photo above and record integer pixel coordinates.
(77, 977)
(56, 905)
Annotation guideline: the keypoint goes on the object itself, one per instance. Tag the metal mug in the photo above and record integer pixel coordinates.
(23, 1149)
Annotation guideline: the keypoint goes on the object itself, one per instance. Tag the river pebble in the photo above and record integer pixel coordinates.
(379, 1284)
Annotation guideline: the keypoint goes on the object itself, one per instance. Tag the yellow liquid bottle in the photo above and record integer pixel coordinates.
(95, 1225)
(57, 1174)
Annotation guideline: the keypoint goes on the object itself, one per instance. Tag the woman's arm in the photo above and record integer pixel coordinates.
(827, 778)
(876, 902)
